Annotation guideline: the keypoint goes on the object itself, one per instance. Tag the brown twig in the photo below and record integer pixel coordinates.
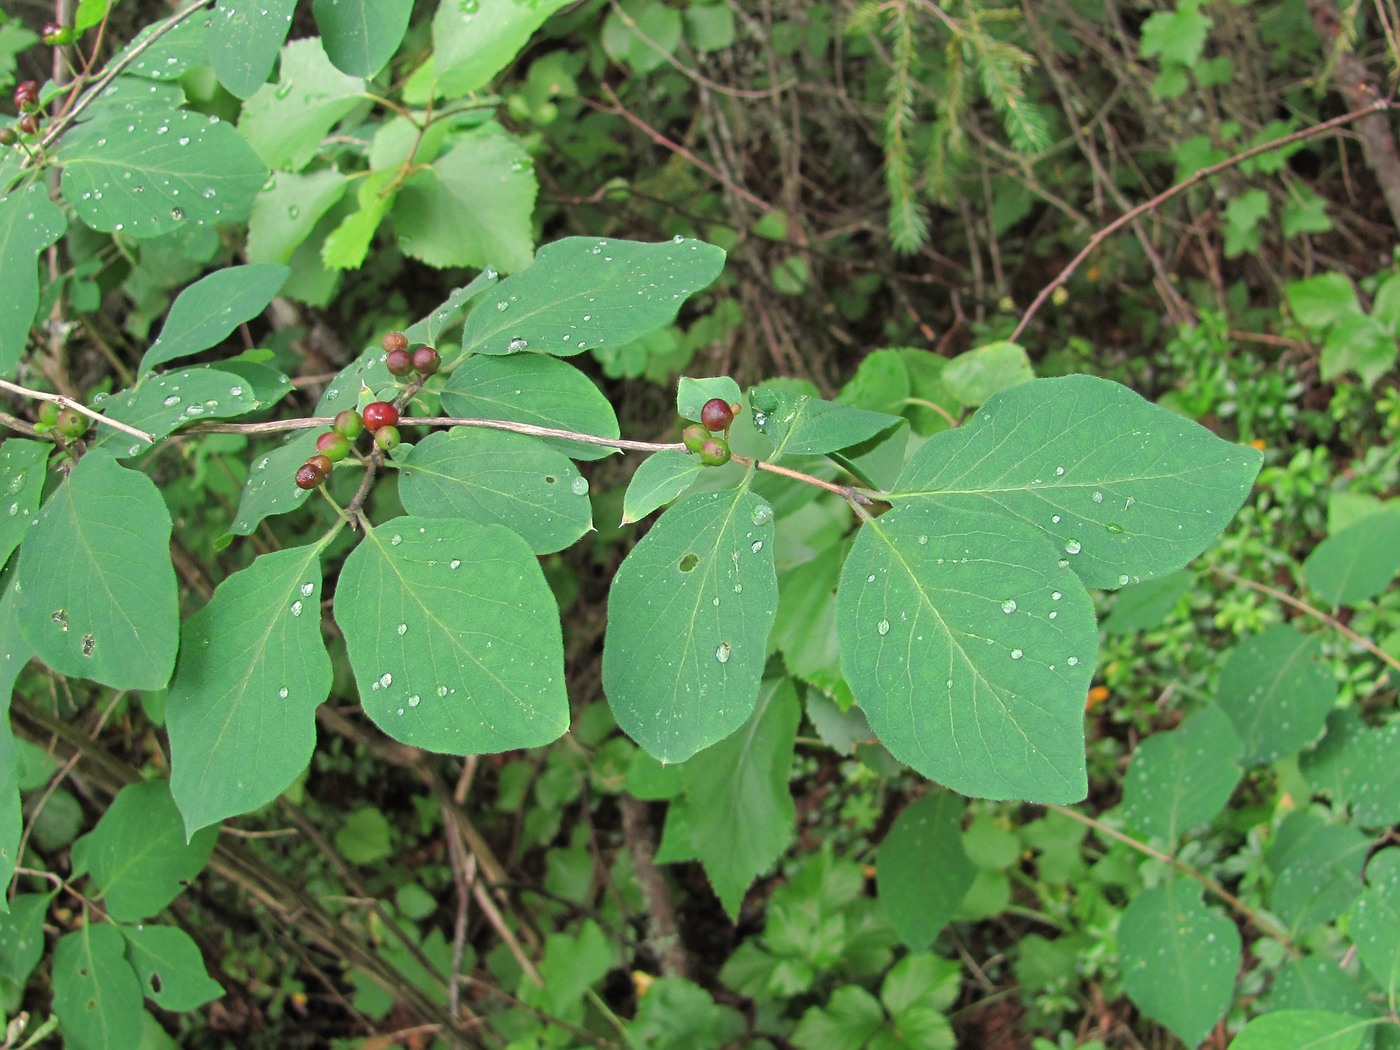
(76, 406)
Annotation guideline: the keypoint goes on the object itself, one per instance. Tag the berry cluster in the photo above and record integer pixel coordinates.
(27, 102)
(424, 360)
(69, 422)
(379, 418)
(716, 417)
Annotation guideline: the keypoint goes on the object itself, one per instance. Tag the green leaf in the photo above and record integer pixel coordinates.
(975, 376)
(360, 36)
(881, 383)
(454, 637)
(922, 871)
(13, 657)
(1357, 344)
(1375, 922)
(1184, 777)
(364, 838)
(1321, 301)
(1304, 212)
(1317, 869)
(446, 317)
(660, 479)
(494, 476)
(1176, 36)
(850, 1018)
(29, 223)
(95, 991)
(22, 936)
(689, 614)
(253, 668)
(286, 213)
(1317, 982)
(476, 39)
(1242, 218)
(271, 487)
(138, 855)
(472, 206)
(675, 1012)
(571, 966)
(1142, 606)
(1179, 958)
(346, 246)
(1358, 562)
(170, 967)
(535, 389)
(243, 39)
(970, 649)
(162, 404)
(805, 628)
(799, 425)
(165, 171)
(582, 292)
(23, 468)
(208, 311)
(641, 33)
(741, 812)
(1358, 766)
(98, 588)
(691, 394)
(921, 981)
(1302, 1030)
(1127, 489)
(179, 49)
(1276, 693)
(285, 122)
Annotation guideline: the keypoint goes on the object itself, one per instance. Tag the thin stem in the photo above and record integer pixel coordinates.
(846, 492)
(68, 402)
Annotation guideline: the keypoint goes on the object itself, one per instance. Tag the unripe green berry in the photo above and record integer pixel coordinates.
(394, 341)
(349, 423)
(309, 475)
(387, 438)
(694, 436)
(56, 35)
(71, 424)
(716, 414)
(426, 360)
(398, 362)
(714, 452)
(333, 446)
(379, 414)
(48, 413)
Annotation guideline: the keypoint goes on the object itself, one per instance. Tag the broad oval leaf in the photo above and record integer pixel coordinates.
(170, 967)
(1375, 922)
(454, 636)
(689, 615)
(360, 36)
(13, 657)
(243, 39)
(494, 476)
(582, 292)
(474, 41)
(799, 425)
(1358, 562)
(1303, 1030)
(1126, 489)
(163, 404)
(922, 871)
(661, 478)
(431, 328)
(207, 312)
(23, 468)
(535, 389)
(1183, 777)
(286, 121)
(160, 172)
(970, 648)
(1358, 766)
(242, 707)
(1276, 693)
(1179, 958)
(98, 588)
(29, 223)
(95, 991)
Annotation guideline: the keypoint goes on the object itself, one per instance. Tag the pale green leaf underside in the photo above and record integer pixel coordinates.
(689, 615)
(454, 636)
(207, 312)
(360, 36)
(98, 589)
(1125, 489)
(29, 223)
(970, 649)
(583, 292)
(473, 42)
(23, 467)
(242, 707)
(243, 39)
(661, 478)
(1184, 777)
(497, 477)
(95, 991)
(801, 425)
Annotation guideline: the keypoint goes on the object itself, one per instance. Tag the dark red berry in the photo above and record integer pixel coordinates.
(71, 423)
(379, 414)
(8, 136)
(694, 436)
(27, 95)
(348, 423)
(394, 341)
(333, 446)
(716, 414)
(714, 452)
(387, 438)
(398, 362)
(426, 360)
(29, 124)
(321, 462)
(309, 475)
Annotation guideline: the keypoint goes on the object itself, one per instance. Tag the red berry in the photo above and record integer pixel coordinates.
(348, 423)
(694, 436)
(399, 362)
(714, 452)
(426, 360)
(716, 414)
(333, 446)
(29, 124)
(71, 423)
(309, 475)
(387, 438)
(394, 341)
(27, 95)
(321, 462)
(379, 414)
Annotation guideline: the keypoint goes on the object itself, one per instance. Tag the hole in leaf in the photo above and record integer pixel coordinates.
(155, 983)
(549, 479)
(689, 562)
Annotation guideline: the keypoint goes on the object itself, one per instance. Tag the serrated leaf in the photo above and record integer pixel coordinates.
(1302, 1030)
(163, 171)
(138, 855)
(1321, 301)
(977, 375)
(922, 871)
(850, 1018)
(29, 223)
(1176, 36)
(98, 588)
(164, 403)
(472, 206)
(1126, 489)
(472, 42)
(799, 425)
(689, 615)
(494, 476)
(1276, 693)
(242, 40)
(536, 389)
(95, 991)
(454, 636)
(23, 468)
(1375, 922)
(970, 649)
(741, 812)
(285, 122)
(169, 966)
(1358, 766)
(432, 328)
(253, 668)
(1359, 344)
(1179, 958)
(1183, 777)
(360, 36)
(584, 292)
(660, 479)
(1358, 562)
(286, 213)
(207, 312)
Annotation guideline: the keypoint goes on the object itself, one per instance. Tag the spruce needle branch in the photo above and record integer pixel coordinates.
(1380, 105)
(67, 402)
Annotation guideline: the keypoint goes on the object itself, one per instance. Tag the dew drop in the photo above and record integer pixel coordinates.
(296, 608)
(385, 680)
(517, 345)
(402, 629)
(762, 514)
(1123, 580)
(1059, 472)
(1114, 528)
(1073, 661)
(722, 653)
(306, 589)
(414, 700)
(883, 627)
(579, 486)
(1016, 654)
(1055, 596)
(1009, 606)
(442, 690)
(1054, 519)
(757, 546)
(923, 541)
(1073, 547)
(870, 578)
(502, 305)
(1097, 497)
(172, 400)
(283, 692)
(455, 563)
(395, 540)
